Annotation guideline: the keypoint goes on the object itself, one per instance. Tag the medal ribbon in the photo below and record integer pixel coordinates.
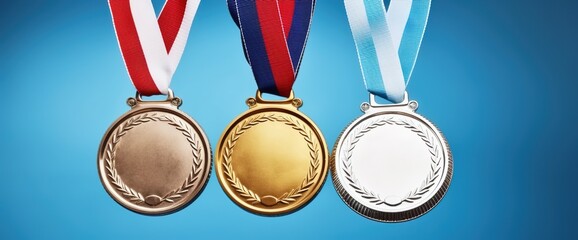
(274, 34)
(151, 47)
(387, 42)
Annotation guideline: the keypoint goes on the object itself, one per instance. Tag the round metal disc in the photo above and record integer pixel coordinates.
(154, 159)
(272, 159)
(391, 165)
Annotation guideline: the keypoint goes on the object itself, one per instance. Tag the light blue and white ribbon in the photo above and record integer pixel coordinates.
(388, 41)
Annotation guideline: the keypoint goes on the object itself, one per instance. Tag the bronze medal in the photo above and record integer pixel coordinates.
(272, 159)
(154, 159)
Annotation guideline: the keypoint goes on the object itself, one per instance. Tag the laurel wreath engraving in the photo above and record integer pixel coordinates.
(412, 196)
(287, 197)
(133, 195)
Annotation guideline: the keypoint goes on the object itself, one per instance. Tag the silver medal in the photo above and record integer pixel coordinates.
(391, 164)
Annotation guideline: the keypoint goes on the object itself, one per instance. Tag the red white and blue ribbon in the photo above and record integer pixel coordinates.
(388, 35)
(274, 34)
(151, 47)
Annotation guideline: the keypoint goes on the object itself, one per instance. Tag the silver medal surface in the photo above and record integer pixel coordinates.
(391, 164)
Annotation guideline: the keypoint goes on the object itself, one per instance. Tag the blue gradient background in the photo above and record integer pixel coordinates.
(498, 77)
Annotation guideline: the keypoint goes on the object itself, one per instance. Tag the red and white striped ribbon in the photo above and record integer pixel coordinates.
(151, 47)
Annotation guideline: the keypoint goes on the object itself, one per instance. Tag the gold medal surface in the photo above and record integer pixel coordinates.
(272, 159)
(154, 159)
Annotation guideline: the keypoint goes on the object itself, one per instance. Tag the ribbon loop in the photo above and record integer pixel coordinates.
(274, 34)
(152, 48)
(387, 42)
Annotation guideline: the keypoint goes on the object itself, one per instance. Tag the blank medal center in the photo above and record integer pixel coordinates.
(154, 158)
(391, 161)
(271, 158)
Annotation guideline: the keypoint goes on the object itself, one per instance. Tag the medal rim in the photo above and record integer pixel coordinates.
(290, 208)
(382, 216)
(140, 108)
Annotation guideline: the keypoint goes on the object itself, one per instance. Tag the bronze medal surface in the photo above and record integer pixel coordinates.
(272, 159)
(154, 159)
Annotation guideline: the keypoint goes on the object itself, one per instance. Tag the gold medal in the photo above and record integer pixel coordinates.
(272, 159)
(154, 159)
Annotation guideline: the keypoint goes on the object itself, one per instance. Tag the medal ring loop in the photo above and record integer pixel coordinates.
(413, 105)
(296, 102)
(176, 101)
(374, 103)
(170, 95)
